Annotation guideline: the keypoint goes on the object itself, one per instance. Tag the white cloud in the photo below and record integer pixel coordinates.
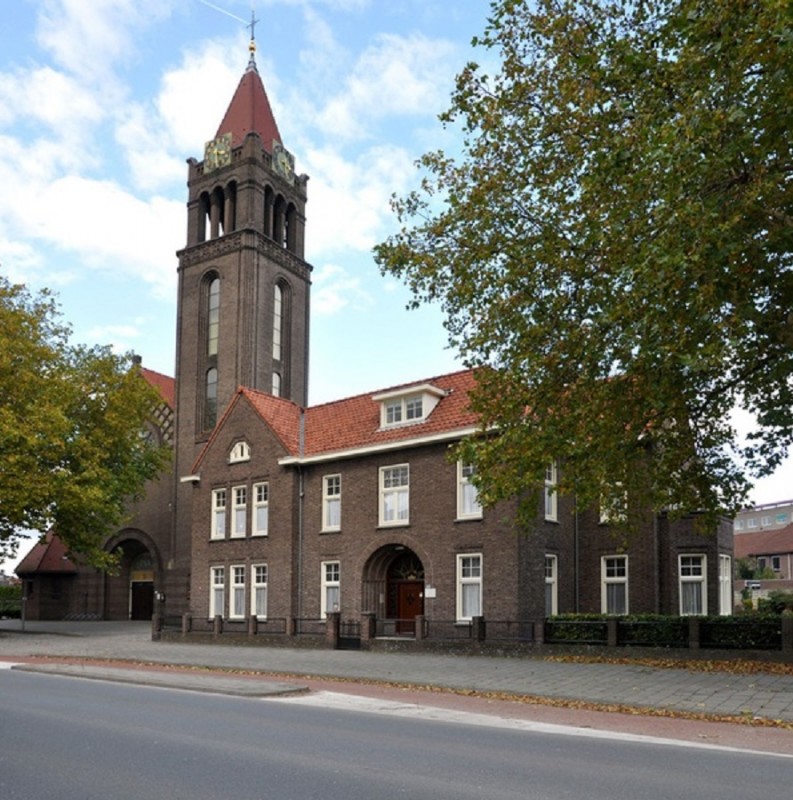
(348, 200)
(334, 289)
(394, 76)
(104, 226)
(88, 38)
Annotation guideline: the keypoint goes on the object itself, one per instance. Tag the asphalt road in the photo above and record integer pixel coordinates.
(71, 739)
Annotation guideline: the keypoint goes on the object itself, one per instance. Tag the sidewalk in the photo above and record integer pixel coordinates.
(758, 695)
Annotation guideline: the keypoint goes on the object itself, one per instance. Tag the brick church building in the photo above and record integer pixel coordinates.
(276, 510)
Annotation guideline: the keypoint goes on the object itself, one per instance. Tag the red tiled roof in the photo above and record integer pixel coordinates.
(47, 555)
(249, 111)
(354, 422)
(163, 383)
(762, 543)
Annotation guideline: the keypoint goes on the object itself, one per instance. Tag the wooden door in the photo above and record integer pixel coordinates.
(410, 604)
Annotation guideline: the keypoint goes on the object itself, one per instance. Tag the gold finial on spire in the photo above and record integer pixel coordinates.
(252, 26)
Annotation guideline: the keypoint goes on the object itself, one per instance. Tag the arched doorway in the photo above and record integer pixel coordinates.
(129, 591)
(394, 587)
(141, 587)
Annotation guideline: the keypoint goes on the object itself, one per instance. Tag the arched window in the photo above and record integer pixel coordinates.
(278, 320)
(211, 399)
(213, 316)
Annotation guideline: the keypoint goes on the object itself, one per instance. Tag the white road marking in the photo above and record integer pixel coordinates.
(370, 705)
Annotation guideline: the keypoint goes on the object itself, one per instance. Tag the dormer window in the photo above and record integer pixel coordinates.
(240, 452)
(408, 405)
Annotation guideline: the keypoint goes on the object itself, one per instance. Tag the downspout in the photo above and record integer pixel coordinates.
(300, 495)
(657, 569)
(576, 556)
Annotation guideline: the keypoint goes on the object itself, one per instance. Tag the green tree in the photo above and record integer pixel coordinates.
(613, 247)
(71, 451)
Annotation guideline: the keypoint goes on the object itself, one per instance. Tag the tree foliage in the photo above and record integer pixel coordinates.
(71, 451)
(612, 248)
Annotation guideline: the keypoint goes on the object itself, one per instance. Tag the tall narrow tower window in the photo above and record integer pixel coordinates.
(213, 317)
(211, 399)
(278, 321)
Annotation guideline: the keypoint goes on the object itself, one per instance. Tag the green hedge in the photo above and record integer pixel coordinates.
(11, 601)
(752, 631)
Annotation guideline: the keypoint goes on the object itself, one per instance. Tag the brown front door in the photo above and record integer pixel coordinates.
(410, 603)
(142, 600)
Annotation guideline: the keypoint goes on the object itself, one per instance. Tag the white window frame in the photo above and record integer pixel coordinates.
(261, 507)
(237, 593)
(239, 512)
(776, 563)
(331, 502)
(259, 579)
(550, 495)
(607, 580)
(751, 522)
(687, 578)
(217, 591)
(240, 452)
(468, 505)
(552, 584)
(394, 499)
(725, 586)
(218, 523)
(613, 510)
(469, 574)
(765, 521)
(330, 586)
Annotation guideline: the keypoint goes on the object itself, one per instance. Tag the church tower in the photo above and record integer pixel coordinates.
(243, 292)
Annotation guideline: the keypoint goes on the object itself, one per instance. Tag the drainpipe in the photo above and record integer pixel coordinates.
(576, 556)
(657, 576)
(300, 495)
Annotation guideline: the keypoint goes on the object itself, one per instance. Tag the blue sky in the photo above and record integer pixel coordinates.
(102, 102)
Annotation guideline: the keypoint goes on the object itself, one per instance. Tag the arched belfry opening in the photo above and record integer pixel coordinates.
(393, 588)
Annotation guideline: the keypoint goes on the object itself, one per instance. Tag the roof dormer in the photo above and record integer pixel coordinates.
(408, 405)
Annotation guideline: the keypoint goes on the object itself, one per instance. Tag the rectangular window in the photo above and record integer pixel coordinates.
(331, 587)
(217, 591)
(725, 586)
(781, 519)
(761, 563)
(550, 492)
(751, 523)
(614, 506)
(259, 591)
(551, 588)
(693, 597)
(776, 563)
(614, 584)
(738, 524)
(469, 586)
(414, 408)
(393, 412)
(468, 505)
(764, 521)
(237, 610)
(331, 503)
(218, 514)
(240, 512)
(261, 498)
(394, 495)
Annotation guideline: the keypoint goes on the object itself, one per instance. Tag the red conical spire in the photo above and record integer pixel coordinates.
(249, 110)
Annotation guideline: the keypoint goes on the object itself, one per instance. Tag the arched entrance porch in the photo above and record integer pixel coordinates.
(393, 589)
(129, 594)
